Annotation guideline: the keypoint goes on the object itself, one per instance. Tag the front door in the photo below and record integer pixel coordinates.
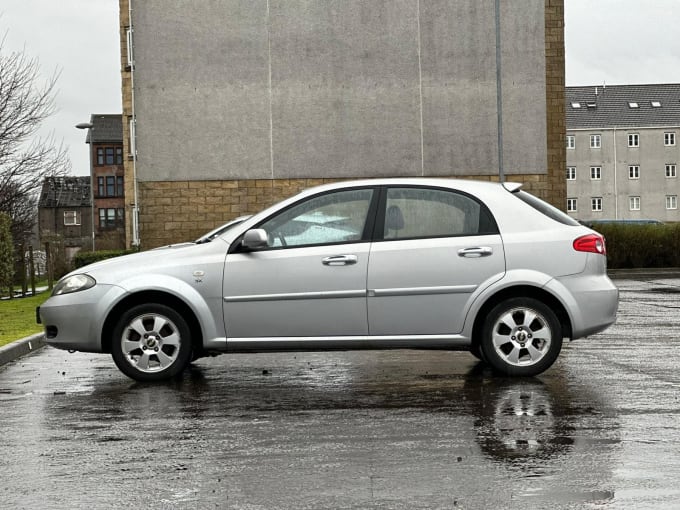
(310, 281)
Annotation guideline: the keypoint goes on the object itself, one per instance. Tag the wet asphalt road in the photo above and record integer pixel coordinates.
(398, 429)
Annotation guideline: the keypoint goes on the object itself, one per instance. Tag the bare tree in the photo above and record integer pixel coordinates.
(25, 158)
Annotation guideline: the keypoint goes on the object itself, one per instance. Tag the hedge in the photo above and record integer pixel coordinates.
(632, 246)
(88, 257)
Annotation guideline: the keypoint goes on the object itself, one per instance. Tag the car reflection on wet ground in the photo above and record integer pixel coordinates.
(398, 429)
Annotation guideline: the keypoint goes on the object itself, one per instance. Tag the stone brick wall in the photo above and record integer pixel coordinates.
(177, 211)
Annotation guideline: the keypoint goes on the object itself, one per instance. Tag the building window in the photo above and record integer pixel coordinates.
(596, 204)
(595, 173)
(111, 218)
(634, 203)
(110, 186)
(571, 173)
(572, 204)
(671, 171)
(671, 201)
(109, 156)
(571, 142)
(669, 138)
(633, 172)
(71, 218)
(595, 141)
(634, 140)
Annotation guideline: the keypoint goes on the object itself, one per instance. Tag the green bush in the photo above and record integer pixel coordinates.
(641, 246)
(89, 257)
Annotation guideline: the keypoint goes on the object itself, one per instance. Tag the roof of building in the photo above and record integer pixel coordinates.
(106, 128)
(623, 106)
(65, 192)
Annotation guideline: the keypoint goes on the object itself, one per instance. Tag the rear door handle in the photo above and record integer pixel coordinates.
(340, 260)
(479, 251)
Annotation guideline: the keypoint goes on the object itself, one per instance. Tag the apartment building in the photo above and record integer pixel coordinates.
(623, 152)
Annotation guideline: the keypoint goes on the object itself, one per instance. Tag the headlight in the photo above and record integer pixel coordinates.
(74, 283)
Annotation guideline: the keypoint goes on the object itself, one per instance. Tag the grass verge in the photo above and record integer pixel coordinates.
(17, 317)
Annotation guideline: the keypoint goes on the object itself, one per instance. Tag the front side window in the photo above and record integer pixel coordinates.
(669, 138)
(634, 172)
(571, 173)
(596, 173)
(634, 140)
(671, 171)
(426, 212)
(634, 203)
(71, 218)
(596, 204)
(338, 217)
(671, 201)
(595, 141)
(572, 204)
(571, 142)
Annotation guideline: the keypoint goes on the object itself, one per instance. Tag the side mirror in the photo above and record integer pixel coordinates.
(255, 239)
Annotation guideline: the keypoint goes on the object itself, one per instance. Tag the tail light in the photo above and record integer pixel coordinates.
(590, 243)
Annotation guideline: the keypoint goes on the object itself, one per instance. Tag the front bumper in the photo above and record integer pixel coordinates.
(74, 321)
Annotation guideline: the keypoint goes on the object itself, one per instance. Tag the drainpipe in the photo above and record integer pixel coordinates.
(616, 183)
(499, 93)
(133, 142)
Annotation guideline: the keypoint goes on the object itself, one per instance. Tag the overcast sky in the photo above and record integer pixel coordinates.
(607, 41)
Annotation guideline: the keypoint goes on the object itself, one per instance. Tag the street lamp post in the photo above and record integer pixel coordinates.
(90, 127)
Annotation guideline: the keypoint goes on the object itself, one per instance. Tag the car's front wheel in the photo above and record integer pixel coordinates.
(521, 337)
(151, 342)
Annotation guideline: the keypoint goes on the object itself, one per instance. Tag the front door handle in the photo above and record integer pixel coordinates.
(340, 260)
(479, 251)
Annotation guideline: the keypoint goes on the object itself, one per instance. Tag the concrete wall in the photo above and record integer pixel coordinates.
(289, 89)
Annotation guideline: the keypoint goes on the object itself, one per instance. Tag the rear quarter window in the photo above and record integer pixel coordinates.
(545, 208)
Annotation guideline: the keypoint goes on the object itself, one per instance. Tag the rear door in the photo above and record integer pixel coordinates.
(438, 246)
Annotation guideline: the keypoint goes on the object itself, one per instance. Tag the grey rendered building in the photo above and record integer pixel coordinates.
(230, 106)
(623, 152)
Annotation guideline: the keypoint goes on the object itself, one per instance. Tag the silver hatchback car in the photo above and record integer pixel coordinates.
(373, 264)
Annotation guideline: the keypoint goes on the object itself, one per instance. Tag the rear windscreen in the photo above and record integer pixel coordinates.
(545, 208)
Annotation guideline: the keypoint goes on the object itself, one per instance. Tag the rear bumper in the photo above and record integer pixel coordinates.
(591, 300)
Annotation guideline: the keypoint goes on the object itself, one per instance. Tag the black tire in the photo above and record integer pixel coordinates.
(521, 337)
(151, 342)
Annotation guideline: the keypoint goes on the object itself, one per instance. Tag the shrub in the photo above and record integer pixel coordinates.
(89, 257)
(641, 246)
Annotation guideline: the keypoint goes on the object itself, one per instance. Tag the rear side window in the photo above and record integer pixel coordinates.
(545, 208)
(429, 212)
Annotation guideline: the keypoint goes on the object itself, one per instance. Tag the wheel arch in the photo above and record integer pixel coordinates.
(521, 291)
(146, 297)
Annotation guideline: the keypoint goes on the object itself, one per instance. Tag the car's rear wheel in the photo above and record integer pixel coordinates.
(151, 342)
(521, 337)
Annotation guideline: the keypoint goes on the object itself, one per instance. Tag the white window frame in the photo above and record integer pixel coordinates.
(671, 171)
(595, 173)
(669, 138)
(671, 202)
(595, 141)
(634, 203)
(633, 172)
(634, 140)
(571, 142)
(572, 204)
(571, 173)
(596, 204)
(71, 218)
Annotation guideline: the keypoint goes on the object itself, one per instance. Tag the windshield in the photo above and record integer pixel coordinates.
(206, 238)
